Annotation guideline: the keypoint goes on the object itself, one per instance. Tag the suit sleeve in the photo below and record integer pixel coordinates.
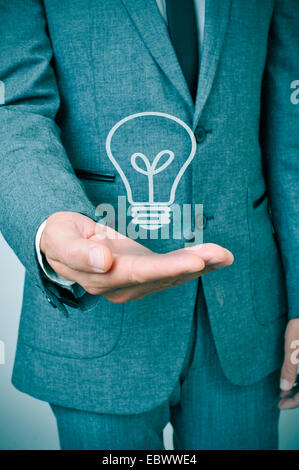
(36, 176)
(280, 139)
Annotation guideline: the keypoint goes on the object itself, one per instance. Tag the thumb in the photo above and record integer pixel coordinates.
(88, 256)
(69, 238)
(290, 364)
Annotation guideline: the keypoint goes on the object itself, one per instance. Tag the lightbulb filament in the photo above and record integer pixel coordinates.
(151, 168)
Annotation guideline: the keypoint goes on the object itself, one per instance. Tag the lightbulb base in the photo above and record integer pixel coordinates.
(150, 216)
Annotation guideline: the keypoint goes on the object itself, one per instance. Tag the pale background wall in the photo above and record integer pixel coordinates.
(26, 423)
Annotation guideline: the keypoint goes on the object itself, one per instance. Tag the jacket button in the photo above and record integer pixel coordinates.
(201, 222)
(191, 237)
(200, 134)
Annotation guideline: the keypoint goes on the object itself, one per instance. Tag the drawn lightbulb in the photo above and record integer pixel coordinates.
(151, 214)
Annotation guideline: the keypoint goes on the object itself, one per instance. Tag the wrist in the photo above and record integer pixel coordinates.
(40, 248)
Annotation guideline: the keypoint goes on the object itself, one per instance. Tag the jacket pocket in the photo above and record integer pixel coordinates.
(83, 335)
(99, 186)
(267, 274)
(94, 176)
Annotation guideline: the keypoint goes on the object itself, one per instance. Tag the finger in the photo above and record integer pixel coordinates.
(191, 260)
(68, 239)
(164, 267)
(163, 270)
(128, 290)
(85, 279)
(212, 254)
(134, 284)
(288, 374)
(133, 270)
(125, 294)
(83, 255)
(289, 403)
(91, 282)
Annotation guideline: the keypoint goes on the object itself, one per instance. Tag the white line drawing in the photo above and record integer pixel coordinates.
(150, 214)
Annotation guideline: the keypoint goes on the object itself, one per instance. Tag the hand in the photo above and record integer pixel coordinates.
(290, 366)
(107, 263)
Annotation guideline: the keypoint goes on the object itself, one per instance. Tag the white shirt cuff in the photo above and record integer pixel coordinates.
(49, 272)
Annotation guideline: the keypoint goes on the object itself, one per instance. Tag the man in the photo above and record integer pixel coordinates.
(204, 355)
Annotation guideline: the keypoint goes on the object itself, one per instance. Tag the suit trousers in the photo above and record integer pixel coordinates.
(205, 409)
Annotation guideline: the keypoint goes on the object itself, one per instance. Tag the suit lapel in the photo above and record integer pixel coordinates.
(153, 31)
(216, 21)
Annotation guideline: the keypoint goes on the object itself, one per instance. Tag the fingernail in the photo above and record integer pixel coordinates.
(285, 385)
(97, 259)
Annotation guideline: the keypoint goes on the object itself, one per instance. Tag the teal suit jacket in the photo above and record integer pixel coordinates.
(72, 69)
